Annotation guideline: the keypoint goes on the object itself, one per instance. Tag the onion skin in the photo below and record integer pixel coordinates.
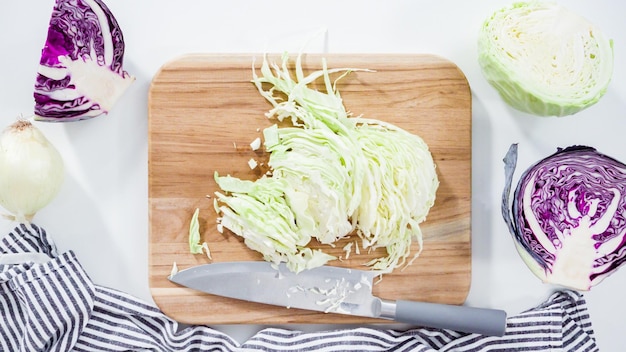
(567, 215)
(31, 170)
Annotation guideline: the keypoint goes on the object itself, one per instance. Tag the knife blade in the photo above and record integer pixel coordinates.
(332, 290)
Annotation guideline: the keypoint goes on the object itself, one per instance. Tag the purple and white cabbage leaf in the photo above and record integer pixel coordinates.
(568, 215)
(80, 74)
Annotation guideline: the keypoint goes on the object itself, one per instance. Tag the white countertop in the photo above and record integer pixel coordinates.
(102, 210)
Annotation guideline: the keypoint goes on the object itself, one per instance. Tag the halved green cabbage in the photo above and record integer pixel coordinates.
(544, 59)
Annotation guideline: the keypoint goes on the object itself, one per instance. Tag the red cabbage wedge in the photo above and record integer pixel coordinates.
(80, 71)
(567, 215)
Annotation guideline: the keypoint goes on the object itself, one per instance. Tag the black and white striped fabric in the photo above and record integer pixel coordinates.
(49, 303)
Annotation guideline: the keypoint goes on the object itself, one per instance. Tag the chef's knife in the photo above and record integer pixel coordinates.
(332, 290)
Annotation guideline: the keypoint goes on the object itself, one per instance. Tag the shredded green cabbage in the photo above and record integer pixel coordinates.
(194, 234)
(400, 190)
(195, 247)
(331, 175)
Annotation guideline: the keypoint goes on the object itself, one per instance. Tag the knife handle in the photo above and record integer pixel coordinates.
(443, 316)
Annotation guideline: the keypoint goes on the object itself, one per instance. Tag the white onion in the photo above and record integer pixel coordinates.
(31, 170)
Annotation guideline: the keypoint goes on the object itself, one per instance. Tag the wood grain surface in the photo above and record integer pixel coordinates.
(203, 114)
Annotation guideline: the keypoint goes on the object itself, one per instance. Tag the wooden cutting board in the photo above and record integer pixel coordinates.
(203, 114)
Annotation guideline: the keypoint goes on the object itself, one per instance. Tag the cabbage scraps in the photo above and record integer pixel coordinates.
(195, 247)
(567, 215)
(80, 71)
(544, 59)
(332, 175)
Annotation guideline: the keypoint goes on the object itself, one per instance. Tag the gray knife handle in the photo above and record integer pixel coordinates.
(459, 318)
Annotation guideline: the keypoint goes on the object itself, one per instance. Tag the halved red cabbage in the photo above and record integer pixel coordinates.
(568, 215)
(80, 73)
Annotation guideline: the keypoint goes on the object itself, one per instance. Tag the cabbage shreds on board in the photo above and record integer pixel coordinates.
(260, 212)
(400, 190)
(315, 165)
(80, 71)
(331, 175)
(544, 59)
(567, 215)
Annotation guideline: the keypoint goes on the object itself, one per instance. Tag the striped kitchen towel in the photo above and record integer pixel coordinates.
(49, 303)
